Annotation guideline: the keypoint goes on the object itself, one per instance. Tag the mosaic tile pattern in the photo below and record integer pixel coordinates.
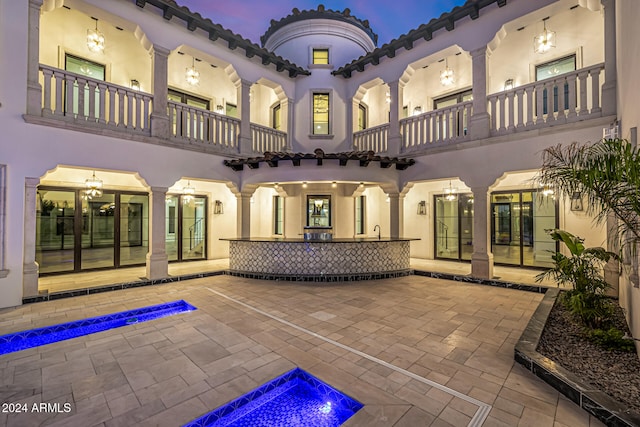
(36, 337)
(319, 258)
(294, 398)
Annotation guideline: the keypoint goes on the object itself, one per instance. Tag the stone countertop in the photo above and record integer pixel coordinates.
(334, 240)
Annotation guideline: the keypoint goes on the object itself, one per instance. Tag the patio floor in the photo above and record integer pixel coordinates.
(416, 351)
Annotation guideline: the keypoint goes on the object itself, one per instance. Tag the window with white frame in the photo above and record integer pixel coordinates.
(321, 113)
(320, 56)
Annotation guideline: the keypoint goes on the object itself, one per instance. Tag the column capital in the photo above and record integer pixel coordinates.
(158, 190)
(31, 182)
(159, 50)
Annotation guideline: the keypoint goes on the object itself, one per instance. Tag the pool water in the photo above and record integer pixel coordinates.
(41, 336)
(296, 398)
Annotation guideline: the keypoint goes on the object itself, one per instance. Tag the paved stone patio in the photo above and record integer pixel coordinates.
(416, 351)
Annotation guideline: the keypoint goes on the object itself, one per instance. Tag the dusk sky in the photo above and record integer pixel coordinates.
(388, 19)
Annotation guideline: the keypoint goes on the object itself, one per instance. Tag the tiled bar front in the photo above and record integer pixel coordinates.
(297, 257)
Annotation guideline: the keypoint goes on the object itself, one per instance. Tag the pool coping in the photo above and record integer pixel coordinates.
(595, 402)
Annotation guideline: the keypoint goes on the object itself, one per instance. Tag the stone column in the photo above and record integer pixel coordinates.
(34, 90)
(479, 124)
(157, 259)
(160, 73)
(287, 106)
(396, 215)
(394, 140)
(482, 258)
(244, 215)
(30, 266)
(609, 87)
(245, 141)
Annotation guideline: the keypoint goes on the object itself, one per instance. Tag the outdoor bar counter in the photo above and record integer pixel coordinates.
(335, 259)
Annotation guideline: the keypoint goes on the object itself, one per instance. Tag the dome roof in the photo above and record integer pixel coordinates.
(320, 13)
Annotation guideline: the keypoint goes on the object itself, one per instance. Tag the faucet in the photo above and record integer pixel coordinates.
(374, 229)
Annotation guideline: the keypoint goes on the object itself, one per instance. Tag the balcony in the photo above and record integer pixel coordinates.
(84, 101)
(566, 98)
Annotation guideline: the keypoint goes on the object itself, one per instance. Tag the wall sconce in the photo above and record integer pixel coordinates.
(135, 85)
(218, 207)
(611, 132)
(417, 110)
(576, 202)
(422, 207)
(219, 109)
(95, 39)
(546, 40)
(334, 184)
(508, 84)
(304, 184)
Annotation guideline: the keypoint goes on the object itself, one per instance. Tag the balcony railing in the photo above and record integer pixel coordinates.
(435, 128)
(566, 98)
(77, 98)
(199, 126)
(267, 139)
(372, 139)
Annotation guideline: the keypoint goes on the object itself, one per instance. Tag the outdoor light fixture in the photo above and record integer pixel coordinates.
(218, 207)
(547, 190)
(450, 193)
(546, 40)
(304, 184)
(276, 185)
(188, 193)
(192, 74)
(361, 184)
(135, 85)
(219, 109)
(508, 84)
(446, 75)
(417, 110)
(334, 184)
(422, 207)
(93, 187)
(95, 39)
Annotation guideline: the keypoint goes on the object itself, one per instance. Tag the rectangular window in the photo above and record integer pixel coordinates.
(321, 114)
(232, 110)
(275, 117)
(278, 215)
(360, 214)
(362, 117)
(319, 211)
(321, 56)
(550, 70)
(185, 98)
(88, 69)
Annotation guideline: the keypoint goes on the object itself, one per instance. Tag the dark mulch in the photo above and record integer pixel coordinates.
(613, 372)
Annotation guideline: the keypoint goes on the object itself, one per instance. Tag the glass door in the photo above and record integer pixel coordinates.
(55, 230)
(186, 227)
(454, 226)
(98, 231)
(193, 229)
(518, 223)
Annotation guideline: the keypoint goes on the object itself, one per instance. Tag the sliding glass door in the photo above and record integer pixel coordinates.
(76, 233)
(186, 227)
(454, 226)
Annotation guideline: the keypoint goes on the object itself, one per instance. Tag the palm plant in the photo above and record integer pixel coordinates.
(606, 173)
(583, 271)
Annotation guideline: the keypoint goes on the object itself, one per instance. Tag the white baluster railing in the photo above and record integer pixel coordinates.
(199, 126)
(372, 139)
(267, 139)
(77, 98)
(565, 98)
(436, 128)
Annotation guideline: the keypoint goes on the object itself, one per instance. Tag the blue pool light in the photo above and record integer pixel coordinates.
(36, 337)
(295, 398)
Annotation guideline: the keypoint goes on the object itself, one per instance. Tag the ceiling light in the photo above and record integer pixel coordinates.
(546, 40)
(95, 39)
(188, 193)
(450, 192)
(93, 187)
(192, 74)
(446, 75)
